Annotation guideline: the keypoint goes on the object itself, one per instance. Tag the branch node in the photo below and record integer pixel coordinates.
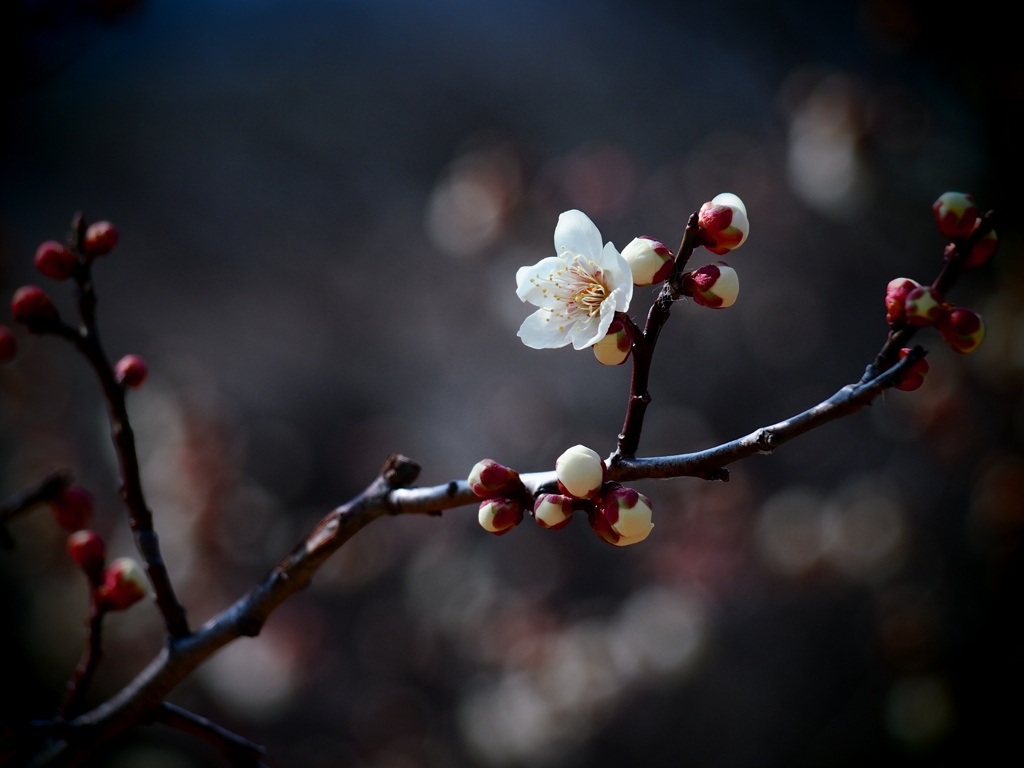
(400, 471)
(765, 440)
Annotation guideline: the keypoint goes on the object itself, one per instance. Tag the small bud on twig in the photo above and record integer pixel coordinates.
(131, 371)
(621, 516)
(923, 306)
(488, 479)
(616, 345)
(715, 286)
(31, 304)
(649, 260)
(915, 374)
(500, 515)
(89, 551)
(73, 508)
(100, 238)
(723, 223)
(896, 299)
(124, 584)
(552, 510)
(55, 261)
(962, 329)
(580, 472)
(955, 214)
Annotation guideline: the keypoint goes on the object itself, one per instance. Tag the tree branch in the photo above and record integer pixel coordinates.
(20, 503)
(241, 752)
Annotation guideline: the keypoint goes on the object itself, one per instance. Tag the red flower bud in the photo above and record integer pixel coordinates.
(955, 214)
(895, 299)
(488, 479)
(88, 550)
(715, 286)
(962, 329)
(914, 375)
(8, 344)
(923, 306)
(55, 261)
(131, 371)
(723, 223)
(983, 249)
(552, 510)
(124, 584)
(500, 515)
(72, 507)
(30, 304)
(621, 516)
(100, 238)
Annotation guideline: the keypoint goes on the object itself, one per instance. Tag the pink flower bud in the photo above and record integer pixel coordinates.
(55, 261)
(552, 510)
(649, 260)
(100, 238)
(8, 344)
(72, 507)
(922, 305)
(131, 371)
(88, 550)
(580, 472)
(621, 516)
(962, 329)
(955, 214)
(983, 249)
(124, 584)
(723, 223)
(488, 479)
(616, 345)
(914, 376)
(31, 304)
(714, 285)
(895, 299)
(500, 515)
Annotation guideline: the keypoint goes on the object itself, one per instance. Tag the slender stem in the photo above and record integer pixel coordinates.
(23, 501)
(643, 347)
(87, 341)
(240, 751)
(92, 655)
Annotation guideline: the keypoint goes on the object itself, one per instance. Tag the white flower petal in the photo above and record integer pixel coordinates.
(538, 292)
(590, 330)
(577, 233)
(544, 330)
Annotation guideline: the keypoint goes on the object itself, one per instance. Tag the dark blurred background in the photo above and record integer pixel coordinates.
(322, 208)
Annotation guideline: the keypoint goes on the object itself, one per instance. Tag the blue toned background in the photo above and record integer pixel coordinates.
(322, 208)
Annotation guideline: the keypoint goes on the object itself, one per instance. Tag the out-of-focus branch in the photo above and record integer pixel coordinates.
(86, 339)
(241, 752)
(23, 501)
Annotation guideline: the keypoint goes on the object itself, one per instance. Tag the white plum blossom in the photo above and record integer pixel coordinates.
(578, 291)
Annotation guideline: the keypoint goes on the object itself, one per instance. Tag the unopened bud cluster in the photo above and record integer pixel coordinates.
(910, 304)
(116, 586)
(620, 516)
(958, 218)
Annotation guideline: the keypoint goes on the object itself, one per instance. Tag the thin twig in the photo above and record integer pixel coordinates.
(240, 751)
(22, 502)
(86, 340)
(643, 346)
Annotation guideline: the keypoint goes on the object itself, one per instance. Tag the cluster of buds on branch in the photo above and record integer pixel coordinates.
(911, 305)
